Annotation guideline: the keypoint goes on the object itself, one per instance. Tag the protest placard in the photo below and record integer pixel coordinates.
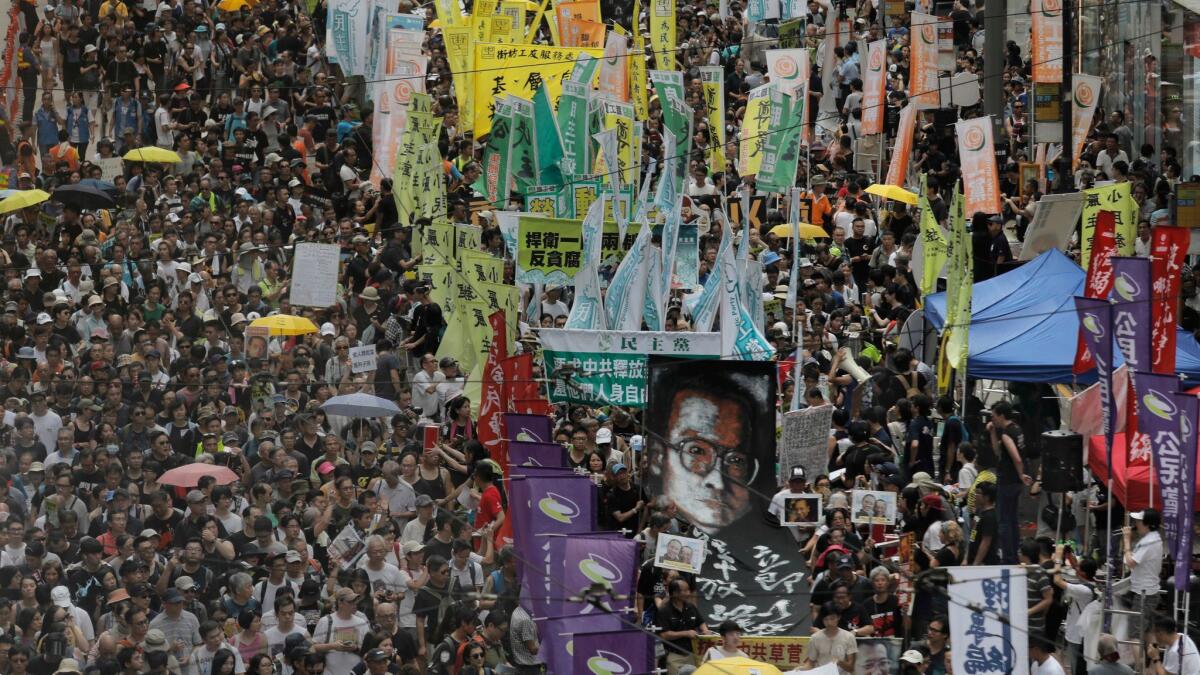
(315, 275)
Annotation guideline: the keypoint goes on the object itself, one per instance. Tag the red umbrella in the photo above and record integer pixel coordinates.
(189, 475)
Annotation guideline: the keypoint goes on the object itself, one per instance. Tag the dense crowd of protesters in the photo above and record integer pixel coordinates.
(125, 354)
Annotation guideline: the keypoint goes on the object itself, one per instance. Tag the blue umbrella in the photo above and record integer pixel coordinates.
(105, 186)
(360, 405)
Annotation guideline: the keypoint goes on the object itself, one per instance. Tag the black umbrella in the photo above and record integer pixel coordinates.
(107, 187)
(83, 197)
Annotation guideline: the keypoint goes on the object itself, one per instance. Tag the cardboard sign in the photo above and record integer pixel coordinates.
(362, 359)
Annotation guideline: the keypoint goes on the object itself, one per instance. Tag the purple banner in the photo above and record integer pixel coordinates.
(612, 562)
(528, 428)
(557, 634)
(626, 652)
(1131, 296)
(1096, 320)
(535, 454)
(1189, 408)
(1163, 419)
(549, 501)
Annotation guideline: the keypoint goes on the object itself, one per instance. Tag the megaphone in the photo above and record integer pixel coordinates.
(851, 366)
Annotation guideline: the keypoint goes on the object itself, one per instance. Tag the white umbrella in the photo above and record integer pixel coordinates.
(360, 405)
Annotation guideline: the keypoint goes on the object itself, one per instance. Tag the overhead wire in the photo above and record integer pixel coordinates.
(632, 54)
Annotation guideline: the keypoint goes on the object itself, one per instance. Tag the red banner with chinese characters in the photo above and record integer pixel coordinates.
(1099, 278)
(1168, 249)
(492, 401)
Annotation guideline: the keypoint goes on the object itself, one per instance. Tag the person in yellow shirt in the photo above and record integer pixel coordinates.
(116, 8)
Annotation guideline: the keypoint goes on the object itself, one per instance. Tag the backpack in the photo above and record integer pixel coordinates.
(962, 427)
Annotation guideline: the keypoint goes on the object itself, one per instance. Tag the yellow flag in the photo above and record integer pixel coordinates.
(662, 33)
(638, 78)
(755, 125)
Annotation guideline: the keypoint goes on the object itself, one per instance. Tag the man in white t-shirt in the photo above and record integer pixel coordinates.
(1144, 560)
(1175, 654)
(1042, 653)
(164, 126)
(285, 625)
(396, 492)
(339, 635)
(266, 590)
(387, 581)
(465, 567)
(202, 656)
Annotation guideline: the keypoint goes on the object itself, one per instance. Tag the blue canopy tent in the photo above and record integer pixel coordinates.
(1024, 327)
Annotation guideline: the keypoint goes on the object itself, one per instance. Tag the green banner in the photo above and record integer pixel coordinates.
(549, 143)
(611, 365)
(494, 182)
(573, 124)
(781, 152)
(524, 154)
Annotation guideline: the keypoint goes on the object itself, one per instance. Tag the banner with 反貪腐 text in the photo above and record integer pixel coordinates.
(550, 250)
(1117, 198)
(611, 366)
(519, 70)
(984, 642)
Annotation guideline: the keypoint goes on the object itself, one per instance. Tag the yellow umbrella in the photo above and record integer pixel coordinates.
(285, 324)
(436, 23)
(806, 231)
(892, 192)
(737, 666)
(232, 5)
(153, 154)
(23, 199)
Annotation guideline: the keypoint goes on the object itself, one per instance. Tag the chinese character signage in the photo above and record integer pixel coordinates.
(1119, 200)
(610, 366)
(984, 644)
(981, 181)
(519, 70)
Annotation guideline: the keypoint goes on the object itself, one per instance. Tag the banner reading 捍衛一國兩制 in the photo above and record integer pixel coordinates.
(994, 641)
(610, 366)
(699, 416)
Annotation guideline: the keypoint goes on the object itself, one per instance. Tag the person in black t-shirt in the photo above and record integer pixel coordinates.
(623, 502)
(985, 531)
(883, 607)
(679, 621)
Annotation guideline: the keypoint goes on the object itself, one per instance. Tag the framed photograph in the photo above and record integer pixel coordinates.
(801, 509)
(680, 553)
(872, 508)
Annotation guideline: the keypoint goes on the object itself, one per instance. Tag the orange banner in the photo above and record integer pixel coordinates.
(1085, 94)
(614, 70)
(981, 180)
(1046, 40)
(923, 62)
(874, 85)
(582, 33)
(902, 150)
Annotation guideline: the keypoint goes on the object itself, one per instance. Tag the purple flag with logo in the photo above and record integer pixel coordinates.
(1189, 409)
(625, 652)
(557, 634)
(1131, 296)
(1163, 419)
(611, 561)
(535, 454)
(528, 428)
(539, 504)
(1096, 320)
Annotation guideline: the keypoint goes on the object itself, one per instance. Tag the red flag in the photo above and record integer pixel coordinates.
(493, 403)
(533, 406)
(518, 375)
(1099, 278)
(1168, 248)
